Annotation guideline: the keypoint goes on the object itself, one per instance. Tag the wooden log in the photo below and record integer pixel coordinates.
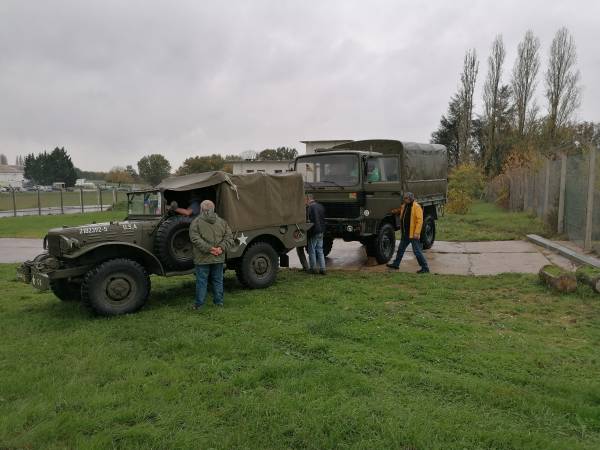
(590, 276)
(557, 278)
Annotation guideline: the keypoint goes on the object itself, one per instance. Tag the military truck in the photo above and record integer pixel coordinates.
(107, 265)
(360, 182)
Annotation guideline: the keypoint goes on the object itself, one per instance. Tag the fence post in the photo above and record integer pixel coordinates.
(39, 203)
(587, 243)
(62, 203)
(14, 201)
(561, 194)
(100, 197)
(81, 198)
(114, 197)
(546, 190)
(525, 191)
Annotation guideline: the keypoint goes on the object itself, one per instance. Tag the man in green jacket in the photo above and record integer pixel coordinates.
(211, 237)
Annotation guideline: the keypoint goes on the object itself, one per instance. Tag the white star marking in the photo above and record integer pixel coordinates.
(242, 239)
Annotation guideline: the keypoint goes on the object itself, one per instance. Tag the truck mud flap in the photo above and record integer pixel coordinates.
(302, 257)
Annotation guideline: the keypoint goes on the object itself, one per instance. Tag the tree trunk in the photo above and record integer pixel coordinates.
(558, 278)
(589, 276)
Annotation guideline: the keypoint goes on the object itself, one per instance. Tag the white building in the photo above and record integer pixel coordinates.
(312, 145)
(11, 176)
(270, 167)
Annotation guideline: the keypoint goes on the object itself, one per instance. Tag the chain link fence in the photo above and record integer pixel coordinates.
(15, 202)
(563, 189)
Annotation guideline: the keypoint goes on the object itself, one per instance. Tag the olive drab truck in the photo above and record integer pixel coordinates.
(108, 265)
(360, 182)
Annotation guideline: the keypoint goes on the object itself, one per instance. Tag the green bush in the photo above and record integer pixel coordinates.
(468, 179)
(459, 201)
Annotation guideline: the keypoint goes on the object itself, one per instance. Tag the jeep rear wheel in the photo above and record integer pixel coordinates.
(117, 286)
(66, 290)
(259, 265)
(428, 232)
(172, 245)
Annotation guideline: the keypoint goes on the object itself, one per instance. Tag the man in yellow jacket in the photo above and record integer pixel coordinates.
(411, 222)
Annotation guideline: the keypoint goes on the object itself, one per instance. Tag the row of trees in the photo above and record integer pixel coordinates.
(47, 168)
(510, 123)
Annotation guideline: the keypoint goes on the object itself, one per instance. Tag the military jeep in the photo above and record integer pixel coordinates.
(107, 265)
(360, 182)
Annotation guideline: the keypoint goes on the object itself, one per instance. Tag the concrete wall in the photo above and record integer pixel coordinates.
(12, 178)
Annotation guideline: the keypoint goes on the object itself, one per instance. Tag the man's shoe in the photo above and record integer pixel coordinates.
(323, 272)
(219, 305)
(196, 307)
(392, 266)
(423, 271)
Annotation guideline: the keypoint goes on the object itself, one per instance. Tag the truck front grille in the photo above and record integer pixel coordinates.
(342, 210)
(53, 245)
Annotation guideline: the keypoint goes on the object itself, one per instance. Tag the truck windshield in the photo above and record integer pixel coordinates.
(144, 204)
(329, 170)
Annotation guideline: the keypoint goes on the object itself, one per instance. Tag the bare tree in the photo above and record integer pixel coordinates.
(524, 81)
(562, 78)
(468, 78)
(490, 97)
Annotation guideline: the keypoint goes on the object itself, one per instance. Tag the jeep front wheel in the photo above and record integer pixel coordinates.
(259, 265)
(117, 286)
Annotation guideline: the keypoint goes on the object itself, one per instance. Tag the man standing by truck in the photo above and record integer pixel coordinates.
(211, 237)
(411, 222)
(316, 215)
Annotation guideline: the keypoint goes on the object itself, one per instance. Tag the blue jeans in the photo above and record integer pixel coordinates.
(416, 246)
(214, 274)
(315, 252)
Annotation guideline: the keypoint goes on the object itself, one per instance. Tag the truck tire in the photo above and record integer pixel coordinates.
(384, 244)
(327, 245)
(65, 290)
(172, 244)
(428, 232)
(117, 286)
(259, 265)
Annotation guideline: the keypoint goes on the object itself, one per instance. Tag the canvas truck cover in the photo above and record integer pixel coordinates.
(424, 166)
(251, 201)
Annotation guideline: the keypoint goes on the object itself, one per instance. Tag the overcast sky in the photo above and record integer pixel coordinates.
(112, 81)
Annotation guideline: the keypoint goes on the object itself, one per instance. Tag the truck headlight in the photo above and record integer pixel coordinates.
(366, 213)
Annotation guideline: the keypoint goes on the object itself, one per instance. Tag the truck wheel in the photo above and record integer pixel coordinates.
(384, 243)
(259, 266)
(172, 245)
(428, 232)
(327, 245)
(117, 286)
(65, 290)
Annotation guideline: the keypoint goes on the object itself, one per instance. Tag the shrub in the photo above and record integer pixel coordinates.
(468, 179)
(459, 202)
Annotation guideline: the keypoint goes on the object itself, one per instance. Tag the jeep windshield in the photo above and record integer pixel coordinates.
(144, 204)
(329, 170)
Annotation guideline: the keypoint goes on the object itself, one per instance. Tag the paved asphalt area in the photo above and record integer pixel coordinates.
(457, 258)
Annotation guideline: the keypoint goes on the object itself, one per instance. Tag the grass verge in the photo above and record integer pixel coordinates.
(344, 361)
(488, 222)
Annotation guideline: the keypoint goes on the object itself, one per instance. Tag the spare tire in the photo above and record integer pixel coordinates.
(172, 244)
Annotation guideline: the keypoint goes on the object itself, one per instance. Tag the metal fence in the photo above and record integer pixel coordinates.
(15, 202)
(563, 189)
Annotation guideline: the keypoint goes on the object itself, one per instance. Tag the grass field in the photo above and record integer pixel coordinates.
(344, 361)
(488, 222)
(27, 200)
(38, 226)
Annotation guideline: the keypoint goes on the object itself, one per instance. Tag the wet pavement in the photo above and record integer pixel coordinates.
(451, 258)
(457, 258)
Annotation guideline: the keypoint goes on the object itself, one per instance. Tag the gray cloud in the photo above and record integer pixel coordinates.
(112, 81)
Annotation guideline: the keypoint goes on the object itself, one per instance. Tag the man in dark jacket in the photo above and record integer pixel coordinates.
(316, 215)
(211, 237)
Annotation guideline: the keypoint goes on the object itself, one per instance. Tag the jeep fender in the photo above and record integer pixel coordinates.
(109, 250)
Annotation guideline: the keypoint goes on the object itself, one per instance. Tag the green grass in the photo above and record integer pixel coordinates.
(38, 226)
(26, 200)
(488, 222)
(344, 361)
